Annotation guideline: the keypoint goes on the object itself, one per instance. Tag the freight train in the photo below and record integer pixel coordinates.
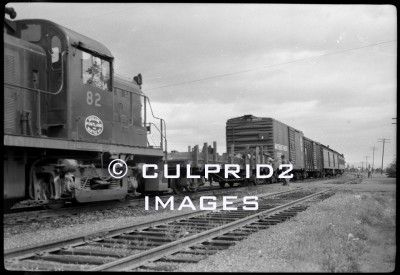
(67, 116)
(254, 140)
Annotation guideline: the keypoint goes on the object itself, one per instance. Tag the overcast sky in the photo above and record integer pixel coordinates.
(346, 100)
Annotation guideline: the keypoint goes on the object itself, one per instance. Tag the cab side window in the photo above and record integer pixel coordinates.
(55, 51)
(95, 71)
(54, 61)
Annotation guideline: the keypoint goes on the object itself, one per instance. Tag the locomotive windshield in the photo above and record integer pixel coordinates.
(95, 71)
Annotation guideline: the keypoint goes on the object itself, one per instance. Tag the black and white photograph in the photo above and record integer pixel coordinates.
(199, 137)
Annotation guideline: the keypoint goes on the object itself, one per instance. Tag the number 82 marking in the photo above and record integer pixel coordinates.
(90, 100)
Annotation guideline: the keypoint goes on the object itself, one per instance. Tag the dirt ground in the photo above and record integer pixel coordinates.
(352, 231)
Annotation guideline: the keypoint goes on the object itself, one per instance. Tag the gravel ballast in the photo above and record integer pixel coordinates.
(330, 236)
(91, 221)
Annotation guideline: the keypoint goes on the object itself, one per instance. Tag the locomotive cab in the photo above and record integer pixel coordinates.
(46, 79)
(75, 64)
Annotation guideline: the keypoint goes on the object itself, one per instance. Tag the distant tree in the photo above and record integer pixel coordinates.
(391, 170)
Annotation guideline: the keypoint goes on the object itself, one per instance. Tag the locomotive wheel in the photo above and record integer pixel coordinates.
(55, 204)
(271, 180)
(249, 182)
(193, 185)
(123, 199)
(176, 186)
(44, 190)
(191, 189)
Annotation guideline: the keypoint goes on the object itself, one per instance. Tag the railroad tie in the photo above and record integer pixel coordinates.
(76, 259)
(178, 258)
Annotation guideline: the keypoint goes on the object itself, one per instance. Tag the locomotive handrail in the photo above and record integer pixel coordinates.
(162, 144)
(43, 91)
(155, 126)
(163, 130)
(146, 98)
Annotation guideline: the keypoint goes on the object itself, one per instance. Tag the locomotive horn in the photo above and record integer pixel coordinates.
(138, 79)
(11, 12)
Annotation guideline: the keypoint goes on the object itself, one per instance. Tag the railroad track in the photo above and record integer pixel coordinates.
(159, 245)
(27, 215)
(33, 214)
(47, 207)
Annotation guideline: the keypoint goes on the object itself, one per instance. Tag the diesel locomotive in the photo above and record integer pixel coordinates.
(67, 116)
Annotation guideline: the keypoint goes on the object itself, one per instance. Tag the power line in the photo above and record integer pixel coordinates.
(269, 66)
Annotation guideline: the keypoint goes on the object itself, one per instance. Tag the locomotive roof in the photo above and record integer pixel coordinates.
(122, 83)
(75, 39)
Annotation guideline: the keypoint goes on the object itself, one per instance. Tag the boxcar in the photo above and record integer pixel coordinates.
(333, 161)
(309, 153)
(273, 137)
(313, 158)
(318, 159)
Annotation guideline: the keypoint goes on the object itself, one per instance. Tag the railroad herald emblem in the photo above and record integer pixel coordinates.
(94, 125)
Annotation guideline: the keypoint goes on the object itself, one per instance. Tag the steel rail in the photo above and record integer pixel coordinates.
(39, 209)
(130, 201)
(134, 261)
(79, 239)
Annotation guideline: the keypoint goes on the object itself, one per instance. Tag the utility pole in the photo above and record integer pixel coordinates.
(383, 140)
(366, 162)
(373, 156)
(395, 144)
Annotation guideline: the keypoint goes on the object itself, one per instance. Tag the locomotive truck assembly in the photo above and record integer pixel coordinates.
(67, 115)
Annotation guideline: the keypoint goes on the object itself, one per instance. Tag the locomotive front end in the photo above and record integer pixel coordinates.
(67, 117)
